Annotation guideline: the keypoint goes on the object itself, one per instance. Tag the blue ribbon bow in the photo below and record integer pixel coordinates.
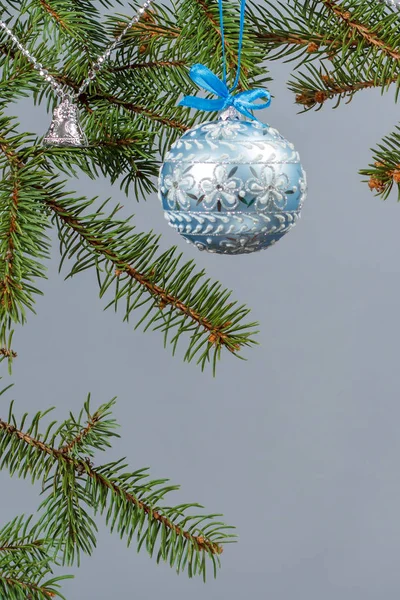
(243, 101)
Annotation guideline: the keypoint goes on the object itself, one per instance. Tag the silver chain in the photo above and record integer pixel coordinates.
(96, 67)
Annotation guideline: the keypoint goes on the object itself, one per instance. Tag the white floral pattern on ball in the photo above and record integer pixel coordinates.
(222, 190)
(270, 188)
(244, 245)
(223, 130)
(177, 185)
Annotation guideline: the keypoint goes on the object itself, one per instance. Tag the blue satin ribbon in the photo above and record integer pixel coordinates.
(206, 79)
(243, 101)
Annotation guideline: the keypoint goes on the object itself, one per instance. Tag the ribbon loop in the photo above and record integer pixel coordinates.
(243, 101)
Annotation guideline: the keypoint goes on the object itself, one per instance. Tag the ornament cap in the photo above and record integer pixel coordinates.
(65, 129)
(229, 113)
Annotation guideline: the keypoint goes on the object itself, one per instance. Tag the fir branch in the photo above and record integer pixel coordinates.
(287, 38)
(201, 542)
(53, 13)
(147, 28)
(209, 15)
(362, 55)
(23, 242)
(156, 64)
(92, 422)
(141, 110)
(8, 283)
(311, 43)
(361, 29)
(81, 466)
(368, 57)
(10, 586)
(331, 87)
(384, 172)
(25, 563)
(303, 24)
(127, 501)
(15, 547)
(18, 536)
(76, 22)
(222, 330)
(95, 434)
(86, 99)
(219, 334)
(10, 429)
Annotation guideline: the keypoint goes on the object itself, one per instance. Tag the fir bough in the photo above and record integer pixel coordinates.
(78, 489)
(338, 49)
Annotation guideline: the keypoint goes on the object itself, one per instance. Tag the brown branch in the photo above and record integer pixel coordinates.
(159, 64)
(92, 422)
(114, 142)
(362, 30)
(291, 39)
(217, 335)
(8, 50)
(150, 29)
(314, 41)
(8, 353)
(209, 15)
(11, 156)
(13, 547)
(311, 97)
(29, 587)
(85, 467)
(7, 282)
(54, 14)
(141, 110)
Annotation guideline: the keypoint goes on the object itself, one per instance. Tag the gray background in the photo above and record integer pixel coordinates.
(299, 446)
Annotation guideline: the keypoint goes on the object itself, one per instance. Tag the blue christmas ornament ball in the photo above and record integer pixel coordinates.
(232, 186)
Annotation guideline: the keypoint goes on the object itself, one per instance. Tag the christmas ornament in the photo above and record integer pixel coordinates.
(65, 129)
(231, 186)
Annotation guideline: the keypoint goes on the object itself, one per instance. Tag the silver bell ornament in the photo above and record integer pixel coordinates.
(65, 129)
(232, 186)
